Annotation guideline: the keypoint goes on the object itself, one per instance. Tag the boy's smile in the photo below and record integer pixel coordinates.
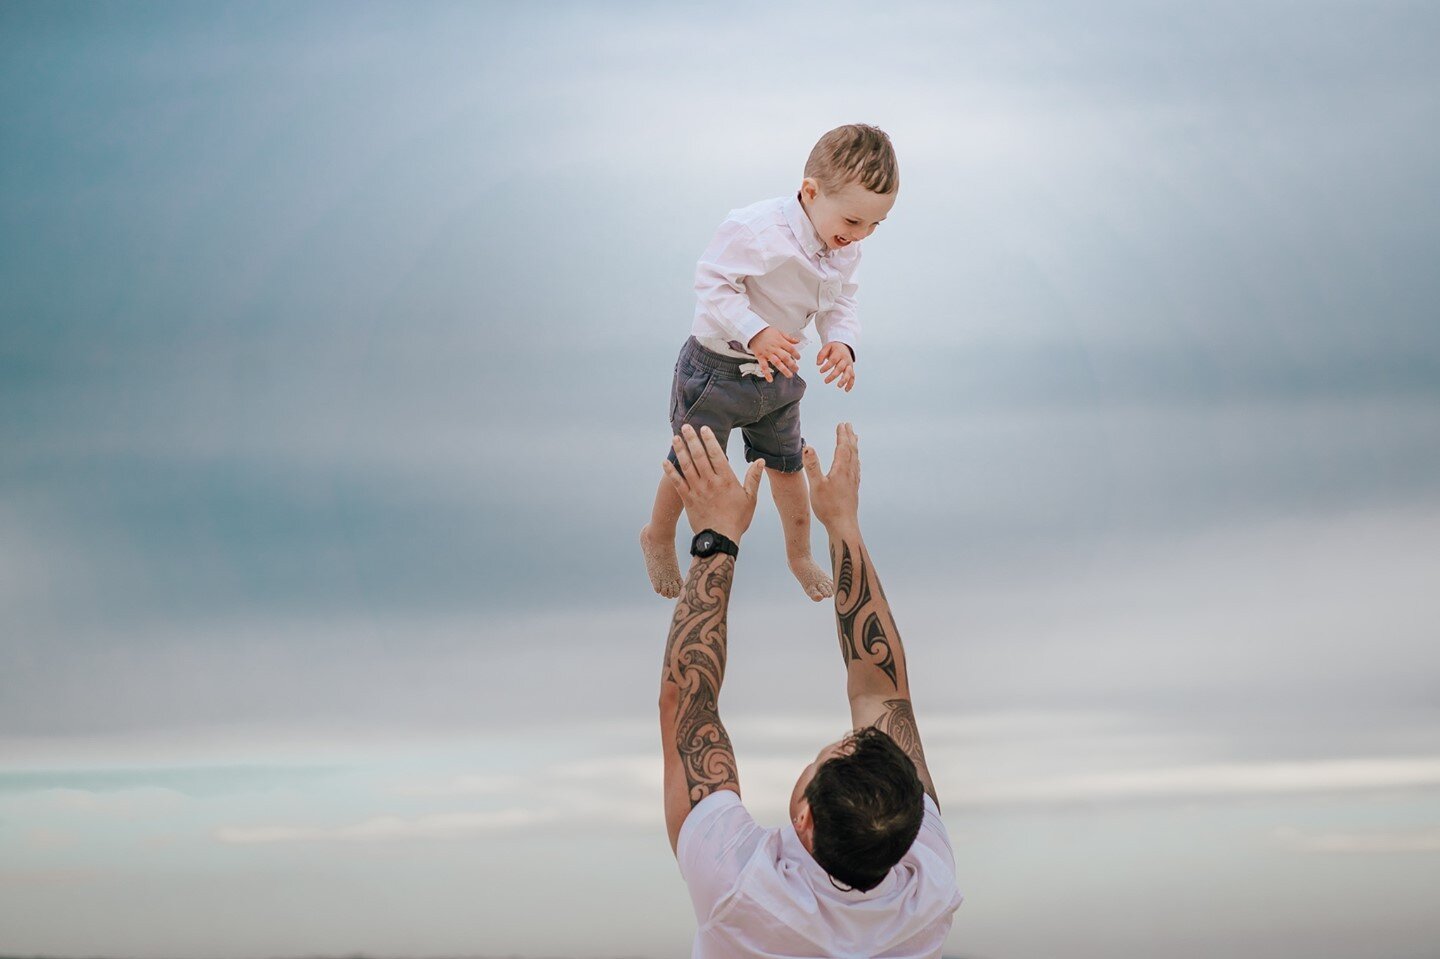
(846, 216)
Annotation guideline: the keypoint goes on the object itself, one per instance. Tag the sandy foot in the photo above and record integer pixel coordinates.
(661, 565)
(812, 578)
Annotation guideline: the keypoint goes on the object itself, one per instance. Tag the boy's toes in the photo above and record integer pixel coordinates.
(661, 565)
(821, 590)
(812, 579)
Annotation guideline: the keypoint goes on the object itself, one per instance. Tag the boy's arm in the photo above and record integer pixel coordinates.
(733, 255)
(698, 757)
(876, 679)
(841, 323)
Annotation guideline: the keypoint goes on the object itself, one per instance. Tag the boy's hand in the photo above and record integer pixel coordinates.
(835, 497)
(714, 497)
(775, 349)
(835, 361)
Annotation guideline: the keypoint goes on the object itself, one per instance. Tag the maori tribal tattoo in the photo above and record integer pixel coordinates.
(899, 724)
(695, 662)
(852, 598)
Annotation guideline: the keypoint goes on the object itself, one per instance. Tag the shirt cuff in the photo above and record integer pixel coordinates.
(747, 326)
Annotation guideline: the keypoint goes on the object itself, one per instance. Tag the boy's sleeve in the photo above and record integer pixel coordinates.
(733, 255)
(841, 323)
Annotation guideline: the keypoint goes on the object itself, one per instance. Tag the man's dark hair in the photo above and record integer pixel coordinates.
(867, 806)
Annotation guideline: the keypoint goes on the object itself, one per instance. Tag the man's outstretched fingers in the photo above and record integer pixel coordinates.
(703, 469)
(713, 451)
(752, 478)
(843, 447)
(811, 461)
(676, 480)
(682, 455)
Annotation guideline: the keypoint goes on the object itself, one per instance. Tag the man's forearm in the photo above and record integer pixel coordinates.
(693, 671)
(869, 641)
(875, 673)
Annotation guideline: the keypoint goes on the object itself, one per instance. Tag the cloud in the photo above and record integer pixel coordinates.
(441, 826)
(1213, 781)
(1417, 840)
(125, 804)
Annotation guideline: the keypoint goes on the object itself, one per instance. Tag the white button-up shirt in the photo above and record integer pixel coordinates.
(759, 893)
(767, 266)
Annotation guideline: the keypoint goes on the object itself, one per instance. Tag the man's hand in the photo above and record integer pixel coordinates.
(836, 498)
(713, 496)
(838, 364)
(775, 349)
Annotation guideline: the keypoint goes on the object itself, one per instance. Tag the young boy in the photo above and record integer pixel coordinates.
(772, 268)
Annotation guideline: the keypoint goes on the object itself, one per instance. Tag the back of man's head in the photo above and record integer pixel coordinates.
(867, 805)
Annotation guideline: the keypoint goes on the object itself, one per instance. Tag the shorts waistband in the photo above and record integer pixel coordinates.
(718, 362)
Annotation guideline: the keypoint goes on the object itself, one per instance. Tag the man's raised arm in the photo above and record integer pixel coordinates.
(875, 674)
(699, 759)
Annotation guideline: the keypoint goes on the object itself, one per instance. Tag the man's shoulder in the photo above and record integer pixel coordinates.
(713, 826)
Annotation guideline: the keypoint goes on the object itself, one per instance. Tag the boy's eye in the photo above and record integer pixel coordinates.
(852, 222)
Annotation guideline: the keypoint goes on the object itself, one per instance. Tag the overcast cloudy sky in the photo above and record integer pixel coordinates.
(334, 366)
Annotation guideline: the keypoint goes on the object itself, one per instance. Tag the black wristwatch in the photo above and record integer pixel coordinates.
(707, 542)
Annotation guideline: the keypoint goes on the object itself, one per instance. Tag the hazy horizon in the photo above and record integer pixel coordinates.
(333, 374)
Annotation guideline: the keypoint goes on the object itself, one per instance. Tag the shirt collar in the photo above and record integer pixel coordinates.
(803, 229)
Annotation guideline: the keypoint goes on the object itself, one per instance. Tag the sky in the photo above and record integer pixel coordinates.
(335, 348)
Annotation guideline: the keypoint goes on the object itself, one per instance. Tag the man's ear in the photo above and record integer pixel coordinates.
(805, 826)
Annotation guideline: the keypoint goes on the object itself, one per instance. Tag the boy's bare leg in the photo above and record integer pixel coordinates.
(792, 500)
(657, 540)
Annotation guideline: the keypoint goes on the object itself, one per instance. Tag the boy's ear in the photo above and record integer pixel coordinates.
(809, 188)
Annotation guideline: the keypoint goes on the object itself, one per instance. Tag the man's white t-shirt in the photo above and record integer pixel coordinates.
(759, 892)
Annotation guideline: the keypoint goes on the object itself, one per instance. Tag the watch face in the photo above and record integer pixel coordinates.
(707, 543)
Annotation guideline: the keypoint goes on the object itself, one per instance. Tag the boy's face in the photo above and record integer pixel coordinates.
(846, 216)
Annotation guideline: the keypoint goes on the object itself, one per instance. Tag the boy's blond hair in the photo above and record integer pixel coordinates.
(854, 153)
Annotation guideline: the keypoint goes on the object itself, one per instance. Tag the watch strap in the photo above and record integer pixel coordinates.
(707, 542)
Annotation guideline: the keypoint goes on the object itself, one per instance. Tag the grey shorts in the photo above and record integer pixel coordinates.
(709, 390)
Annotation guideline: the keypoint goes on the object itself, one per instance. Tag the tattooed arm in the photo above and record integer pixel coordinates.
(698, 757)
(875, 675)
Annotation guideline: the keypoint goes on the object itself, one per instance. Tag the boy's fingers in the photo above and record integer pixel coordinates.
(752, 478)
(696, 449)
(764, 367)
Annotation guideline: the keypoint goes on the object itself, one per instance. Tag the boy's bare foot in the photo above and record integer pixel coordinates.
(661, 564)
(812, 578)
